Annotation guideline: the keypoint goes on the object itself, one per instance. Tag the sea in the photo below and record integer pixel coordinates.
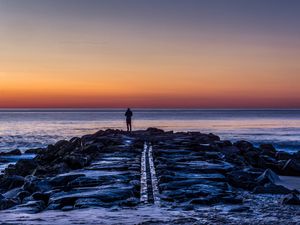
(33, 128)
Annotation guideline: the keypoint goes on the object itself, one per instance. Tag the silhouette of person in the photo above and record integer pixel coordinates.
(128, 115)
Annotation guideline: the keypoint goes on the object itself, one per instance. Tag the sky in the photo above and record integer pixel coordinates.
(158, 53)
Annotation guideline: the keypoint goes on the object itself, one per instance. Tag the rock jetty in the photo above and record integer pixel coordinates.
(114, 168)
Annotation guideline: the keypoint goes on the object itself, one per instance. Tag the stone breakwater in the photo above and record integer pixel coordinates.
(117, 169)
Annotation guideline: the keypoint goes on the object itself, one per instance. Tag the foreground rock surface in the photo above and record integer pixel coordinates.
(104, 170)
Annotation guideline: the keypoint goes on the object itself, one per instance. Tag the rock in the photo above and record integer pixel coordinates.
(7, 203)
(63, 180)
(32, 206)
(232, 199)
(239, 209)
(76, 161)
(13, 152)
(205, 200)
(153, 130)
(268, 149)
(268, 177)
(271, 189)
(231, 150)
(291, 168)
(10, 182)
(244, 146)
(34, 184)
(90, 149)
(280, 155)
(23, 194)
(130, 202)
(87, 202)
(41, 196)
(67, 208)
(84, 182)
(291, 199)
(25, 167)
(242, 179)
(35, 151)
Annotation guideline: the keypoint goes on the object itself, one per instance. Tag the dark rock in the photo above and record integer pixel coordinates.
(34, 184)
(32, 206)
(280, 155)
(268, 149)
(271, 189)
(7, 203)
(291, 168)
(242, 179)
(231, 199)
(90, 149)
(63, 180)
(240, 209)
(84, 182)
(205, 200)
(21, 195)
(13, 152)
(34, 151)
(243, 145)
(268, 177)
(230, 150)
(9, 182)
(76, 161)
(25, 167)
(291, 199)
(67, 208)
(41, 196)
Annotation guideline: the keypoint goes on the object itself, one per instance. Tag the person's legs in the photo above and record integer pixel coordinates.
(130, 128)
(127, 124)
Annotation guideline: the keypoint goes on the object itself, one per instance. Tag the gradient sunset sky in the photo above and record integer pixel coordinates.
(150, 53)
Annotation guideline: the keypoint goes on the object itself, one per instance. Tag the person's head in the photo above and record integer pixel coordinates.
(128, 109)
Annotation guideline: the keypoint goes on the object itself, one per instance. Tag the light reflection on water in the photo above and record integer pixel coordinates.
(29, 129)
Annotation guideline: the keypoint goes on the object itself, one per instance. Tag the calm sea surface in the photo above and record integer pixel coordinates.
(26, 128)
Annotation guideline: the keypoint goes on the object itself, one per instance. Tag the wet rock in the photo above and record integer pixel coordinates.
(291, 199)
(91, 149)
(34, 151)
(7, 203)
(268, 177)
(67, 208)
(230, 150)
(242, 179)
(291, 168)
(271, 189)
(240, 209)
(63, 180)
(25, 167)
(35, 184)
(87, 202)
(244, 146)
(23, 194)
(41, 196)
(13, 152)
(130, 202)
(205, 200)
(76, 161)
(232, 199)
(84, 182)
(268, 149)
(280, 155)
(31, 206)
(10, 182)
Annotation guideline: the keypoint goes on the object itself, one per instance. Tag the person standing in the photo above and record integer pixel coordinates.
(128, 115)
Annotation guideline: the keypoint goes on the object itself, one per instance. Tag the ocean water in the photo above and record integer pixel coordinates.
(32, 128)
